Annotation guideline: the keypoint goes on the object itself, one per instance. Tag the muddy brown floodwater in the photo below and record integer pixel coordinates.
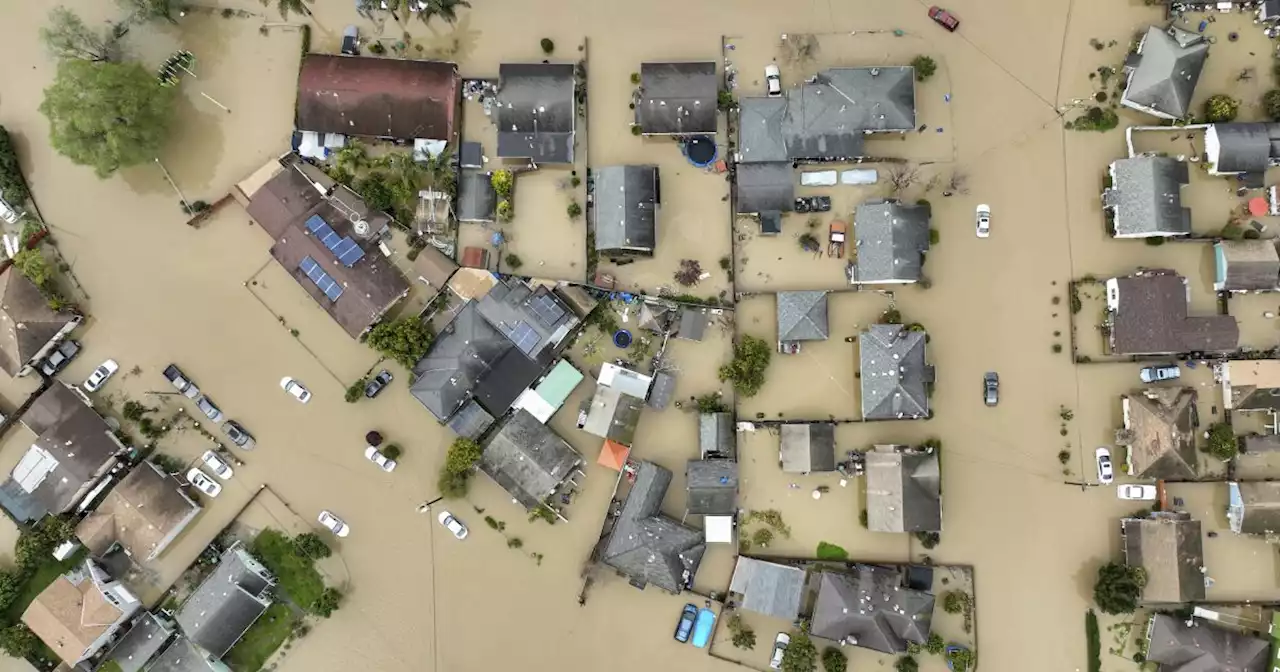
(418, 600)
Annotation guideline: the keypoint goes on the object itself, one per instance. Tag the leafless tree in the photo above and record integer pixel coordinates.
(798, 48)
(902, 176)
(958, 183)
(690, 272)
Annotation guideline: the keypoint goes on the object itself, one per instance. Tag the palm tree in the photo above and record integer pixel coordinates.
(286, 6)
(438, 172)
(351, 157)
(445, 9)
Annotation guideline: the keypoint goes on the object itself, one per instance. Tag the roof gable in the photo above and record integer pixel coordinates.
(528, 459)
(27, 323)
(1146, 196)
(802, 316)
(891, 239)
(626, 208)
(647, 546)
(678, 98)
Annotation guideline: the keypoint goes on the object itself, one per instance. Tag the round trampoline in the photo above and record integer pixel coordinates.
(701, 150)
(622, 338)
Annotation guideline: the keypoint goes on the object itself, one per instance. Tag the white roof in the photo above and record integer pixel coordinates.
(33, 468)
(625, 381)
(535, 405)
(718, 529)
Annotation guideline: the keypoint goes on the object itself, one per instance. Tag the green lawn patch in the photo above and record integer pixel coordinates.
(297, 575)
(831, 552)
(39, 580)
(262, 639)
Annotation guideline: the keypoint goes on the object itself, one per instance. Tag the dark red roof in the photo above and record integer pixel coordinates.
(378, 97)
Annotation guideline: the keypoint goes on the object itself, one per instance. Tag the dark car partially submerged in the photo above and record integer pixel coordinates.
(60, 357)
(991, 388)
(685, 627)
(379, 382)
(813, 204)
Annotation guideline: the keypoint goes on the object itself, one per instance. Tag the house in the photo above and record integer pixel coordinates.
(808, 447)
(625, 212)
(895, 377)
(904, 490)
(678, 98)
(1160, 433)
(1164, 71)
(1145, 198)
(1253, 507)
(73, 451)
(434, 269)
(29, 328)
(890, 239)
(80, 612)
(619, 399)
(1147, 315)
(716, 435)
(802, 316)
(1250, 385)
(712, 487)
(768, 588)
(391, 98)
(227, 603)
(462, 354)
(184, 656)
(548, 395)
(1169, 547)
(1246, 266)
(693, 322)
(528, 459)
(648, 547)
(327, 238)
(1241, 148)
(145, 638)
(870, 607)
(1269, 11)
(477, 199)
(143, 513)
(1175, 644)
(536, 112)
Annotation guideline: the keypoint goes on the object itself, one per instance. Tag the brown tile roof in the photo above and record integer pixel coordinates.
(69, 617)
(285, 198)
(71, 432)
(1163, 441)
(1170, 548)
(144, 512)
(26, 321)
(434, 267)
(379, 97)
(1152, 319)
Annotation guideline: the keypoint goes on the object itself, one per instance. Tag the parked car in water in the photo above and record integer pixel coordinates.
(385, 463)
(378, 383)
(944, 18)
(684, 627)
(238, 435)
(181, 382)
(1139, 492)
(350, 41)
(334, 524)
(813, 204)
(773, 81)
(295, 389)
(1160, 372)
(60, 357)
(217, 465)
(779, 648)
(205, 404)
(1106, 473)
(991, 388)
(100, 375)
(203, 482)
(983, 220)
(452, 524)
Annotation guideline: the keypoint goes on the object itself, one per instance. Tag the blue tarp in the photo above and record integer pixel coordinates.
(702, 629)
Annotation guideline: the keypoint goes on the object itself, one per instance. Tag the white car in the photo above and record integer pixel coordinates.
(334, 524)
(100, 375)
(984, 220)
(203, 483)
(295, 389)
(1141, 492)
(387, 464)
(773, 81)
(453, 525)
(1106, 473)
(779, 647)
(217, 465)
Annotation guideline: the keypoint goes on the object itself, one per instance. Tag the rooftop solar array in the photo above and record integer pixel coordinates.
(327, 284)
(524, 337)
(344, 249)
(546, 309)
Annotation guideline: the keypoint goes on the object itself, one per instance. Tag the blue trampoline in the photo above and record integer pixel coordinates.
(622, 338)
(700, 150)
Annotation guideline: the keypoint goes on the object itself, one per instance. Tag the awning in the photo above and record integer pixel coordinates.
(613, 455)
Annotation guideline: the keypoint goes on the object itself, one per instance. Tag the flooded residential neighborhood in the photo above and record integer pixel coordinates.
(441, 336)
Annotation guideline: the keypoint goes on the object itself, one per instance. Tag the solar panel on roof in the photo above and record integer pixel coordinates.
(315, 222)
(351, 255)
(524, 337)
(324, 281)
(331, 240)
(546, 309)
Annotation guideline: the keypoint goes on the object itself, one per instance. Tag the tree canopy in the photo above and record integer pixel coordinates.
(801, 655)
(149, 10)
(286, 7)
(405, 340)
(33, 265)
(1220, 108)
(67, 37)
(746, 370)
(13, 187)
(18, 641)
(106, 115)
(455, 474)
(1271, 104)
(1222, 441)
(445, 9)
(834, 660)
(1118, 587)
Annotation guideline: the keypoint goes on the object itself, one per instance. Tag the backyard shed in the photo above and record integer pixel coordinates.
(808, 447)
(768, 588)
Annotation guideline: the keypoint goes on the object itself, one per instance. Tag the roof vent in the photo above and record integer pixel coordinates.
(875, 71)
(361, 227)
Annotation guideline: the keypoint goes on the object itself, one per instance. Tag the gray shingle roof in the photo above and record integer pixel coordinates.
(1243, 147)
(1170, 549)
(647, 546)
(716, 435)
(471, 421)
(802, 316)
(871, 605)
(477, 201)
(893, 373)
(807, 447)
(713, 487)
(693, 323)
(891, 238)
(1254, 507)
(219, 612)
(768, 587)
(765, 187)
(1151, 318)
(1247, 265)
(459, 358)
(677, 98)
(528, 459)
(183, 656)
(614, 415)
(761, 138)
(143, 640)
(74, 435)
(536, 113)
(904, 491)
(1167, 70)
(1203, 647)
(626, 209)
(1163, 433)
(1146, 197)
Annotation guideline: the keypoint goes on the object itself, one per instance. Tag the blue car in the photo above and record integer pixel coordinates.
(685, 626)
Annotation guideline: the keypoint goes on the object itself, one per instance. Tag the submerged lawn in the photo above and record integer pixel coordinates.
(262, 639)
(297, 575)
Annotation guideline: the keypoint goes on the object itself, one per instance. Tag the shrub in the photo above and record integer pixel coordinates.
(310, 545)
(515, 542)
(959, 659)
(1057, 347)
(928, 539)
(514, 262)
(12, 184)
(711, 403)
(1271, 104)
(1118, 587)
(1154, 241)
(862, 518)
(1064, 456)
(935, 644)
(934, 236)
(1222, 442)
(924, 66)
(635, 78)
(907, 664)
(327, 603)
(503, 181)
(354, 392)
(743, 636)
(891, 316)
(1094, 119)
(1232, 231)
(547, 45)
(1221, 108)
(834, 660)
(724, 100)
(746, 371)
(376, 193)
(955, 601)
(809, 243)
(505, 211)
(133, 411)
(801, 655)
(455, 473)
(37, 542)
(1093, 639)
(762, 537)
(574, 210)
(392, 451)
(828, 551)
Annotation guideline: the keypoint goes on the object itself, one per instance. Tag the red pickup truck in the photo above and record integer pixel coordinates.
(944, 18)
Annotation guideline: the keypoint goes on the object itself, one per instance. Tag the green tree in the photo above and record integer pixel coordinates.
(18, 641)
(445, 9)
(743, 636)
(1221, 108)
(327, 602)
(310, 545)
(746, 370)
(285, 7)
(149, 10)
(67, 37)
(831, 552)
(935, 644)
(906, 664)
(955, 601)
(406, 340)
(352, 157)
(33, 265)
(462, 455)
(11, 584)
(834, 660)
(36, 543)
(13, 187)
(801, 655)
(924, 67)
(1222, 441)
(1271, 104)
(503, 181)
(1118, 588)
(375, 192)
(106, 115)
(959, 659)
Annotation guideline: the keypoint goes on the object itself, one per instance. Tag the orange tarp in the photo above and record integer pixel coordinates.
(613, 455)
